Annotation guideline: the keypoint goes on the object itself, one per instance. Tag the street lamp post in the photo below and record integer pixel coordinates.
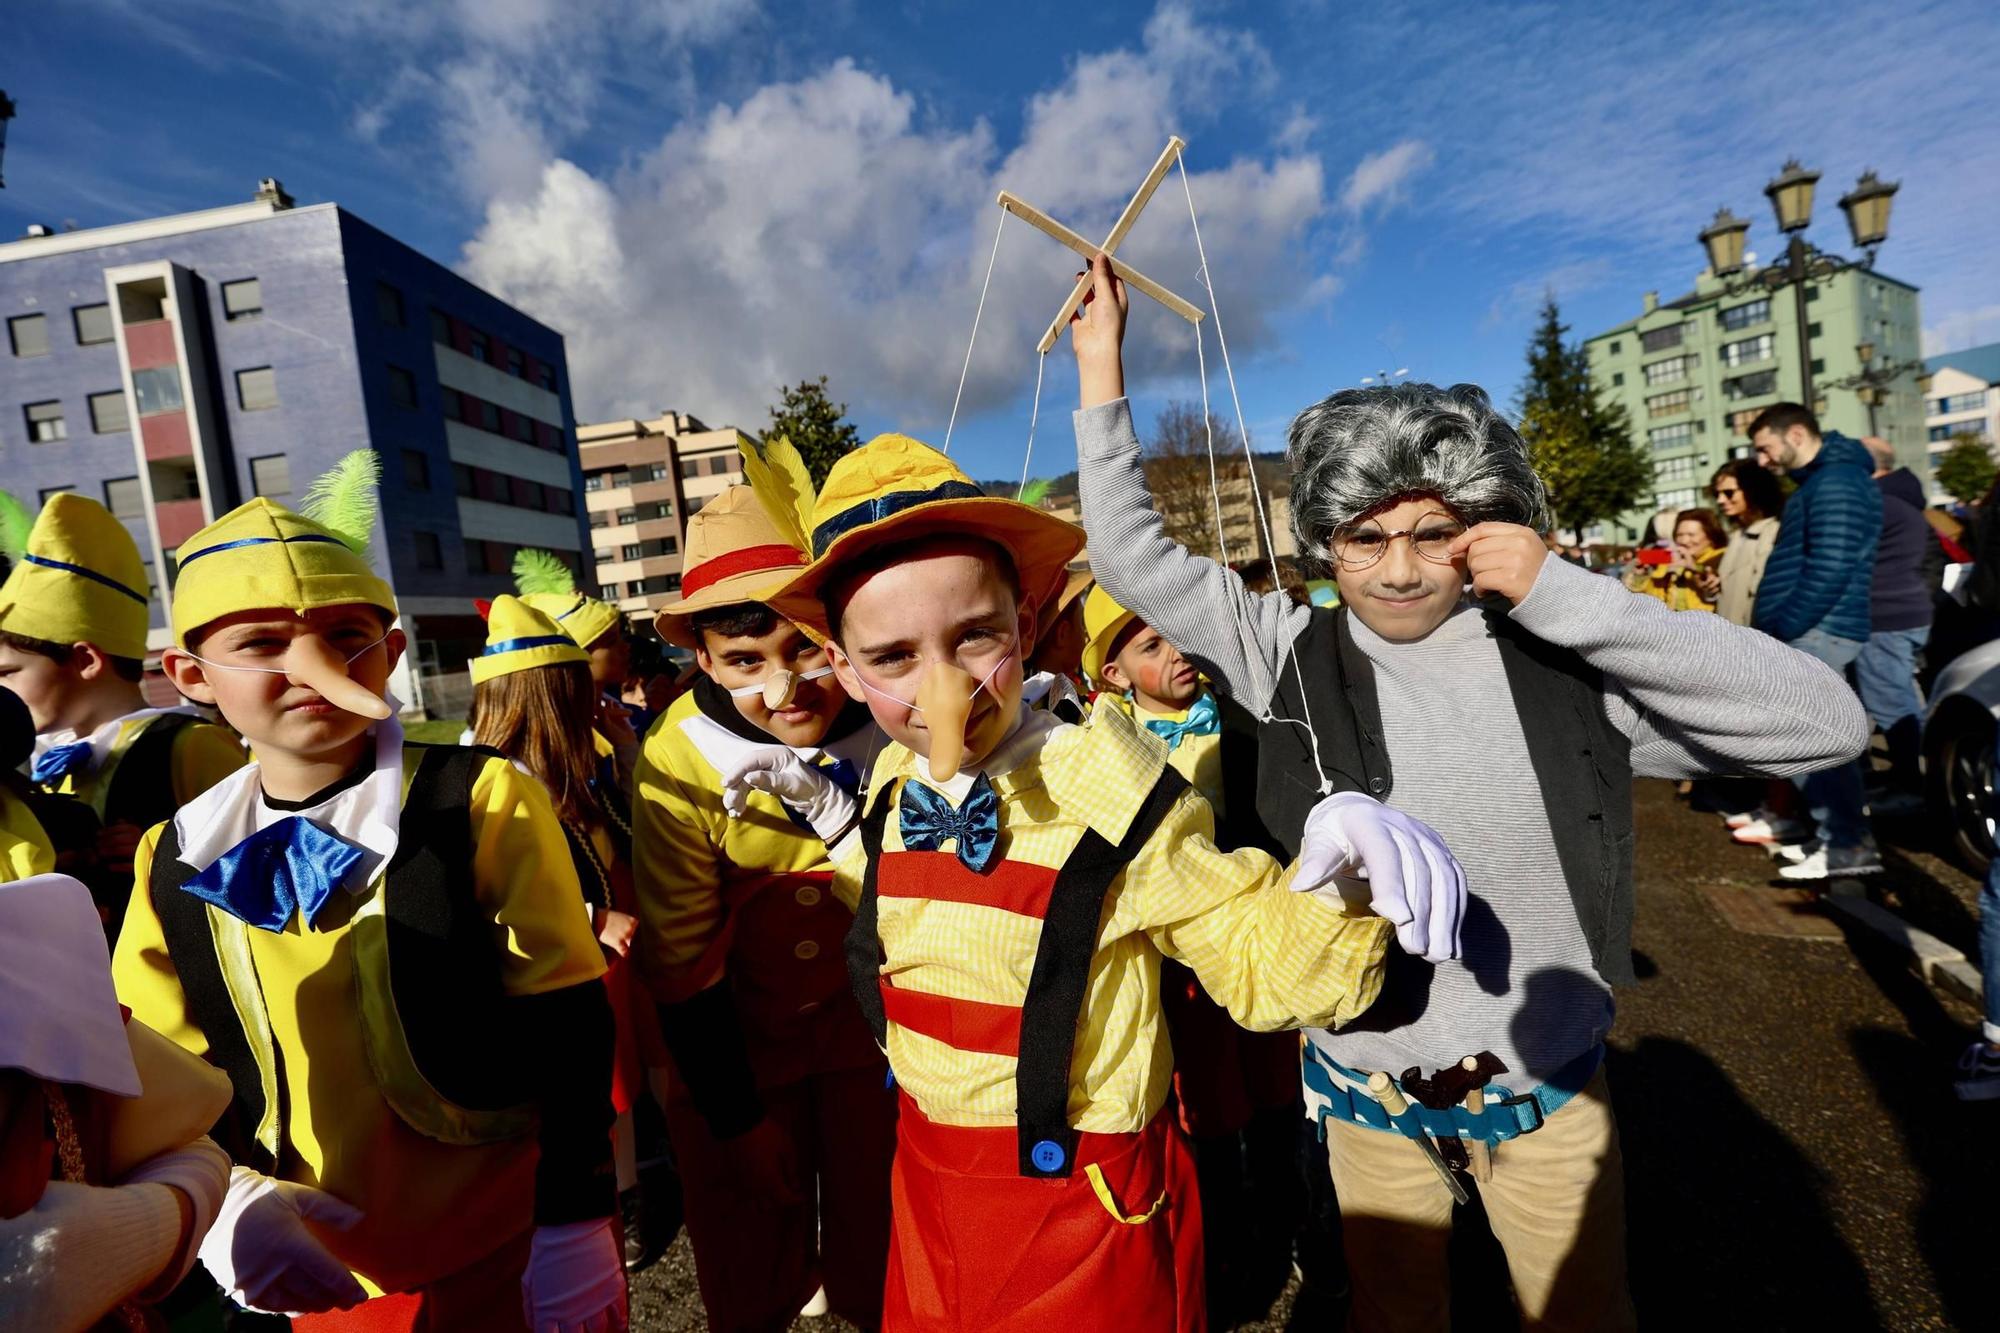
(6, 114)
(1791, 196)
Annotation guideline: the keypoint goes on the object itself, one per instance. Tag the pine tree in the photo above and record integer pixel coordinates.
(1581, 444)
(817, 427)
(1966, 470)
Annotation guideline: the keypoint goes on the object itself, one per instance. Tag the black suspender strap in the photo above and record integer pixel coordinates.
(191, 946)
(1056, 987)
(864, 945)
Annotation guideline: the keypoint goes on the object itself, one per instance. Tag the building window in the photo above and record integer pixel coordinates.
(243, 299)
(721, 464)
(1743, 316)
(627, 517)
(430, 551)
(690, 467)
(1753, 385)
(562, 502)
(476, 346)
(271, 475)
(1684, 468)
(45, 423)
(657, 584)
(93, 324)
(416, 470)
(64, 489)
(634, 551)
(611, 592)
(256, 389)
(440, 327)
(124, 497)
(1959, 402)
(107, 413)
(1678, 400)
(526, 494)
(546, 376)
(1671, 369)
(599, 519)
(1749, 351)
(1812, 294)
(517, 364)
(1739, 422)
(389, 309)
(1664, 438)
(521, 428)
(157, 389)
(402, 387)
(1812, 329)
(604, 555)
(1617, 378)
(695, 502)
(594, 481)
(1680, 499)
(1659, 340)
(1819, 365)
(1616, 345)
(29, 334)
(489, 416)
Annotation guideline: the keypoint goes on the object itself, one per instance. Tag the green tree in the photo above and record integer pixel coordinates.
(1581, 444)
(1966, 471)
(817, 427)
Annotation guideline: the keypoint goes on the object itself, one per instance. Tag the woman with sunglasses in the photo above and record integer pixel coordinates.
(1750, 498)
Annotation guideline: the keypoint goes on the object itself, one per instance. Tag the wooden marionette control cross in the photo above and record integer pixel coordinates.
(1041, 221)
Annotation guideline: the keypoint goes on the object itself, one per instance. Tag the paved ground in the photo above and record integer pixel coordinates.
(1794, 1156)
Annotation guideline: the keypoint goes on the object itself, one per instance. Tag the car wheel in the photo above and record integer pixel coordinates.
(1963, 781)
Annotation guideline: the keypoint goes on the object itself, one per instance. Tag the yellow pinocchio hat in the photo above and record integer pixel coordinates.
(520, 638)
(77, 578)
(894, 489)
(1103, 620)
(260, 556)
(548, 585)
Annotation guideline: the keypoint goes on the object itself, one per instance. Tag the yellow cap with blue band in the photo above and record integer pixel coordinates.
(78, 578)
(521, 638)
(547, 584)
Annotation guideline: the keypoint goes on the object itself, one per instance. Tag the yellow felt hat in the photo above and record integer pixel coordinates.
(548, 585)
(894, 489)
(78, 580)
(520, 638)
(735, 554)
(261, 556)
(1103, 619)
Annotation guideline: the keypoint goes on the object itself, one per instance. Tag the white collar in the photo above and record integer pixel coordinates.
(101, 740)
(63, 1022)
(368, 813)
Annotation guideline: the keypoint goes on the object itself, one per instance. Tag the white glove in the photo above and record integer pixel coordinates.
(803, 787)
(201, 1172)
(266, 1259)
(575, 1282)
(1412, 878)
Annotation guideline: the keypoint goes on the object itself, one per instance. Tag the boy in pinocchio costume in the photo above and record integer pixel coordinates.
(386, 948)
(73, 646)
(1016, 883)
(781, 1120)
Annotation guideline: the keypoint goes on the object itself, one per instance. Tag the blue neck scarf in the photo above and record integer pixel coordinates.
(61, 761)
(294, 865)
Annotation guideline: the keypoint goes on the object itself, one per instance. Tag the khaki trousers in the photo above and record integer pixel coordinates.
(1556, 1202)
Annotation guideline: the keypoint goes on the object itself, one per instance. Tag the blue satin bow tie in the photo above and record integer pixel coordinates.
(1204, 719)
(59, 762)
(294, 865)
(928, 819)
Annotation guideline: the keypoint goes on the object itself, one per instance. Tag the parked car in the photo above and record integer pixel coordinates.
(1959, 730)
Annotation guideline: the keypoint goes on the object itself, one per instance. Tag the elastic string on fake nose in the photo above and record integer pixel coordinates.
(745, 691)
(286, 671)
(911, 704)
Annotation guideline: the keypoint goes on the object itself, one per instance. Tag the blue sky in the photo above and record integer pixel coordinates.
(716, 196)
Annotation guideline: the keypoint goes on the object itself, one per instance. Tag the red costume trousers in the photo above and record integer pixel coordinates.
(977, 1245)
(483, 1298)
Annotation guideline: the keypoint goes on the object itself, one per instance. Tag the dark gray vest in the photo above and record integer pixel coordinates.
(1582, 763)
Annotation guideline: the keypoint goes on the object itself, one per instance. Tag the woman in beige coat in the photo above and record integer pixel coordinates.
(1750, 499)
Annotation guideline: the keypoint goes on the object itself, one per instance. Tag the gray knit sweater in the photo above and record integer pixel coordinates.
(1695, 695)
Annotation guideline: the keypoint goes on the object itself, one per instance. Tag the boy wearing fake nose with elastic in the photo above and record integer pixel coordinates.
(386, 948)
(1016, 883)
(780, 1114)
(73, 618)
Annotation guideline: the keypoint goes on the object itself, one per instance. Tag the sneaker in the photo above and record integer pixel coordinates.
(1740, 818)
(1759, 832)
(815, 1307)
(1834, 863)
(1978, 1074)
(1791, 853)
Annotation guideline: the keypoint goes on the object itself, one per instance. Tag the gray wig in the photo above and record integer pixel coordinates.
(1360, 449)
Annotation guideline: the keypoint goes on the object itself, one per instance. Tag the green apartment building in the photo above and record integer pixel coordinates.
(1694, 371)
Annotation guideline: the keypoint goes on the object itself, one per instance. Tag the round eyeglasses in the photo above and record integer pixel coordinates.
(1430, 537)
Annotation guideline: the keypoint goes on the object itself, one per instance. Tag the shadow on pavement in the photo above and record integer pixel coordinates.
(1726, 1220)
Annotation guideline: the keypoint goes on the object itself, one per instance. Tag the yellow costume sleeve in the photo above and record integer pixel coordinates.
(523, 876)
(24, 846)
(677, 863)
(1273, 958)
(141, 969)
(203, 756)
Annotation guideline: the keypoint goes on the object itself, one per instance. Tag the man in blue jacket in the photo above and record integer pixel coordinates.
(1815, 597)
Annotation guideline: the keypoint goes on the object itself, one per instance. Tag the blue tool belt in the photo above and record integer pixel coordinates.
(1507, 1115)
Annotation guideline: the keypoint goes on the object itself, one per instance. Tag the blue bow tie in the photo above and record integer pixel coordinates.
(61, 761)
(928, 819)
(294, 865)
(1204, 719)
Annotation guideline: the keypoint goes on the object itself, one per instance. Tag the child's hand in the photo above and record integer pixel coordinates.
(1096, 333)
(615, 930)
(1413, 879)
(1503, 558)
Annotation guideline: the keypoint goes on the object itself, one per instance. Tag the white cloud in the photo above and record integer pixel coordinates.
(1960, 329)
(828, 225)
(1382, 179)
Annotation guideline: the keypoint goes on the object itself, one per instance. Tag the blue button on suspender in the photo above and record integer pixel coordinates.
(1048, 1155)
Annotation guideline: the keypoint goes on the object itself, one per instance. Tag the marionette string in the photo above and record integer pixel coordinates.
(973, 341)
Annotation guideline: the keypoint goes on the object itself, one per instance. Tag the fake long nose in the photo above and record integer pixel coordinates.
(315, 664)
(944, 697)
(780, 690)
